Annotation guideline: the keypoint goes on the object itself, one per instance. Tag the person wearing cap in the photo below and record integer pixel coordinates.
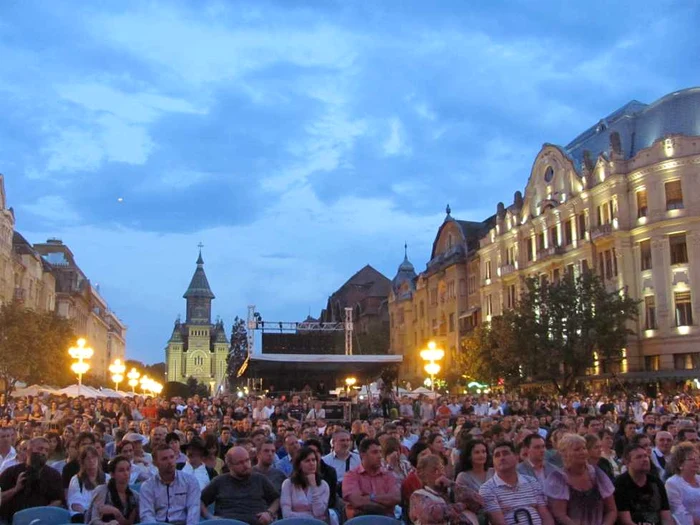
(196, 451)
(139, 455)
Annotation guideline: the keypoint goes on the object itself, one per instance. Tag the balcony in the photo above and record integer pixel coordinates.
(507, 269)
(550, 252)
(601, 231)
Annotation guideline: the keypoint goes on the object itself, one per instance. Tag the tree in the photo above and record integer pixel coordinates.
(155, 371)
(557, 331)
(196, 388)
(238, 352)
(34, 347)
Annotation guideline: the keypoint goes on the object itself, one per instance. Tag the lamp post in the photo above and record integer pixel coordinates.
(145, 383)
(81, 354)
(212, 386)
(117, 370)
(133, 377)
(431, 355)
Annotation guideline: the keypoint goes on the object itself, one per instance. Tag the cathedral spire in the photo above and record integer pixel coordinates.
(199, 295)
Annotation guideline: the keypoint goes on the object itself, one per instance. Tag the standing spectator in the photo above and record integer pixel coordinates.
(369, 489)
(683, 487)
(242, 494)
(640, 497)
(170, 496)
(305, 494)
(84, 483)
(580, 492)
(30, 484)
(508, 491)
(115, 501)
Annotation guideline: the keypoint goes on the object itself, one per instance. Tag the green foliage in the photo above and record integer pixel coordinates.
(194, 387)
(174, 389)
(155, 371)
(238, 352)
(554, 333)
(34, 347)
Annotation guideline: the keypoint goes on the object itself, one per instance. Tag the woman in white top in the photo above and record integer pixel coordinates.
(305, 494)
(139, 472)
(683, 488)
(83, 484)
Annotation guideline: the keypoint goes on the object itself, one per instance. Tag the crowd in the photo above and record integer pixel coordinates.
(470, 459)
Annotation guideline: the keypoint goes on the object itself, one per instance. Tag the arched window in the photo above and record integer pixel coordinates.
(549, 174)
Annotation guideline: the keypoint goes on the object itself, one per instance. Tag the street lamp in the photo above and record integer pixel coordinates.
(212, 385)
(430, 355)
(133, 377)
(117, 370)
(145, 383)
(80, 353)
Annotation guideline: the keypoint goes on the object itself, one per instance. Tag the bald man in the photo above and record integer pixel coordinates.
(242, 494)
(661, 453)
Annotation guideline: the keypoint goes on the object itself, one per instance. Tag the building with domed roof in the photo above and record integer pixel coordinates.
(621, 199)
(198, 348)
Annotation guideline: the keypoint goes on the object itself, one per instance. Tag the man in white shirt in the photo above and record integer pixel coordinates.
(341, 459)
(661, 453)
(196, 450)
(8, 454)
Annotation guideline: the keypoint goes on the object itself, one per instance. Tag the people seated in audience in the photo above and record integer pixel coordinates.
(83, 484)
(114, 502)
(474, 465)
(683, 486)
(305, 494)
(196, 451)
(242, 494)
(171, 496)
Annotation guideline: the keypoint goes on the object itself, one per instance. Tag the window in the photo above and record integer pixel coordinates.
(435, 327)
(584, 265)
(645, 254)
(540, 242)
(679, 249)
(642, 203)
(451, 291)
(570, 269)
(511, 297)
(686, 361)
(471, 284)
(652, 363)
(568, 233)
(674, 195)
(649, 313)
(581, 226)
(510, 255)
(553, 236)
(489, 306)
(549, 174)
(422, 309)
(684, 311)
(487, 270)
(452, 322)
(528, 243)
(433, 296)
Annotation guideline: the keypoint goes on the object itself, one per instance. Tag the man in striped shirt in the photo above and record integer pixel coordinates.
(509, 497)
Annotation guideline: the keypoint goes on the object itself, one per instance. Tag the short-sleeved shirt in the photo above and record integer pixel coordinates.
(526, 494)
(358, 480)
(240, 499)
(644, 503)
(46, 489)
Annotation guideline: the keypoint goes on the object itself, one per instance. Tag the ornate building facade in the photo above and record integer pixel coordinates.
(198, 348)
(623, 199)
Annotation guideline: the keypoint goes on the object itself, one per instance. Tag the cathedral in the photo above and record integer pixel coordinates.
(198, 348)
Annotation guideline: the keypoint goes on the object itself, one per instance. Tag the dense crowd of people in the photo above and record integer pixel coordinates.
(470, 459)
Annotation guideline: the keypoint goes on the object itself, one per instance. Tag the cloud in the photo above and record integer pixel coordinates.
(52, 209)
(395, 144)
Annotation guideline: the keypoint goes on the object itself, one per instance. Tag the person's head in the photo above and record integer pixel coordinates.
(7, 437)
(637, 459)
(474, 453)
(90, 467)
(225, 434)
(315, 445)
(370, 454)
(158, 435)
(687, 434)
(85, 439)
(126, 449)
(504, 458)
(417, 451)
(630, 429)
(341, 442)
(436, 443)
(266, 454)
(164, 460)
(685, 460)
(572, 448)
(119, 469)
(291, 445)
(305, 464)
(595, 451)
(430, 469)
(664, 441)
(644, 441)
(238, 462)
(536, 448)
(38, 451)
(196, 452)
(172, 439)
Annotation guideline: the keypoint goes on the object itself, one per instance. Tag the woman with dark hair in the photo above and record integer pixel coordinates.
(56, 452)
(436, 443)
(412, 482)
(392, 460)
(305, 494)
(84, 483)
(115, 503)
(474, 466)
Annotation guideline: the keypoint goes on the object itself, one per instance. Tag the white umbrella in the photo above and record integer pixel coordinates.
(33, 390)
(72, 391)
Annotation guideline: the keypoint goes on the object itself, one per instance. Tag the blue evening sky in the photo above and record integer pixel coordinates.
(298, 141)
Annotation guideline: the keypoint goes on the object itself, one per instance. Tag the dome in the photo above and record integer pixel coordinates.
(405, 273)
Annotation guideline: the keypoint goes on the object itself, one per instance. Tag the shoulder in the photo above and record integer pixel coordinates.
(287, 484)
(623, 480)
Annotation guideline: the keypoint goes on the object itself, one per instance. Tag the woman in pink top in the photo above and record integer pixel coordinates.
(305, 494)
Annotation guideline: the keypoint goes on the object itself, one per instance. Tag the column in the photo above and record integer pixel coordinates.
(661, 264)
